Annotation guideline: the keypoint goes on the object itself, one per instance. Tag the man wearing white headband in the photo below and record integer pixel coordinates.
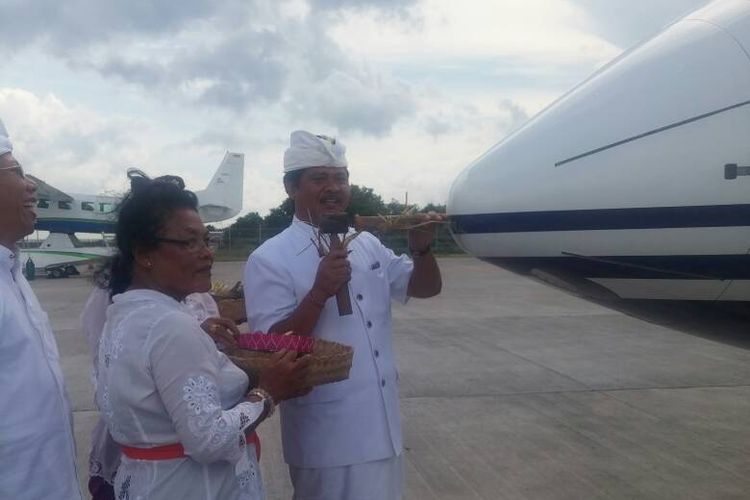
(343, 440)
(37, 452)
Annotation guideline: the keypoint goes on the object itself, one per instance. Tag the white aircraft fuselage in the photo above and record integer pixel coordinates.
(625, 188)
(84, 214)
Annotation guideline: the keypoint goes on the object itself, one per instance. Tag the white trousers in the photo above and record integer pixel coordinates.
(379, 480)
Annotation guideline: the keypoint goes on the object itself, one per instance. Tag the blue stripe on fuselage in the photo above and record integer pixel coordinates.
(716, 267)
(603, 219)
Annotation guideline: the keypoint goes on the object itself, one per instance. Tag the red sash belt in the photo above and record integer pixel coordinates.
(171, 451)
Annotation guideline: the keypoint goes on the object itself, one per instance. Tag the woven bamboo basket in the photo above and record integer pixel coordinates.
(330, 362)
(233, 309)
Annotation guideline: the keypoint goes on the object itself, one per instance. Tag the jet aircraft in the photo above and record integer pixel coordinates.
(632, 189)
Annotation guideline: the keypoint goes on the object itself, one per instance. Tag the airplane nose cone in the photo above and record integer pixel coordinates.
(652, 128)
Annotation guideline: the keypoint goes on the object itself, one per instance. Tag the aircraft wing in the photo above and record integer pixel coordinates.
(44, 190)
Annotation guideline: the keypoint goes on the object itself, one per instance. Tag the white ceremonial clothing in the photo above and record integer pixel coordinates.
(356, 420)
(93, 317)
(37, 450)
(202, 306)
(162, 381)
(379, 480)
(104, 458)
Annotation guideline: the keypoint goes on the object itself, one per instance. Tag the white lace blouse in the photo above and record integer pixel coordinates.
(161, 381)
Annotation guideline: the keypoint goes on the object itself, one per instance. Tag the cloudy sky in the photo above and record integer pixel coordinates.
(416, 89)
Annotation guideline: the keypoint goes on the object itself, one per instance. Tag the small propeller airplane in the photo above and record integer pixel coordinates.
(64, 214)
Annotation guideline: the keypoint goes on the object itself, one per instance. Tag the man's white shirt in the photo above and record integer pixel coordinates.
(356, 420)
(37, 451)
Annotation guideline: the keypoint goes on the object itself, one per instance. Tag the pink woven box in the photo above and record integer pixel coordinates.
(271, 342)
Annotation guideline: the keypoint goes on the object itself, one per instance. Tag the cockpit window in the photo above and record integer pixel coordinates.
(87, 205)
(65, 205)
(42, 203)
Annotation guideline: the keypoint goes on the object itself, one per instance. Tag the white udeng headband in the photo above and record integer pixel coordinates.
(310, 150)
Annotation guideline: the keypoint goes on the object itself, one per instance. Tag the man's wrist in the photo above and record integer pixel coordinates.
(317, 297)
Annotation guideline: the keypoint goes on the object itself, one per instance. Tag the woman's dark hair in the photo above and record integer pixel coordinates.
(140, 218)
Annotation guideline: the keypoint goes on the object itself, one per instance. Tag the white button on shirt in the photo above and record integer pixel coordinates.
(356, 420)
(37, 451)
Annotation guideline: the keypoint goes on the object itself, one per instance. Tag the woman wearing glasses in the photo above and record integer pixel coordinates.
(177, 406)
(105, 454)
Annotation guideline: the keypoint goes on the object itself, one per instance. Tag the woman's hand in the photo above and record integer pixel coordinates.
(284, 378)
(222, 330)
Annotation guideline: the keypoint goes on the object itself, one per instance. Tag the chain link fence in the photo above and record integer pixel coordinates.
(238, 243)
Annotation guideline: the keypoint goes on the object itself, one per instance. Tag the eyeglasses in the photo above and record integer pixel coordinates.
(17, 168)
(192, 245)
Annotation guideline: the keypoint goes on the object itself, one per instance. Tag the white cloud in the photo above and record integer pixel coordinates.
(236, 55)
(80, 151)
(368, 103)
(625, 22)
(70, 147)
(535, 31)
(415, 88)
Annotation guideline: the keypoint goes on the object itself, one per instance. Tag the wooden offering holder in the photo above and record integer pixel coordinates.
(334, 225)
(385, 223)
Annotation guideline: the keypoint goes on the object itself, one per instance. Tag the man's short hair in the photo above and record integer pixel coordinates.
(292, 178)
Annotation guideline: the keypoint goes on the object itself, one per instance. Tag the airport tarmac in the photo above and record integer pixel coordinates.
(514, 390)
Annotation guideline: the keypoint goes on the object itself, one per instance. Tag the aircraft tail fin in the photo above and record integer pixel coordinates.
(222, 198)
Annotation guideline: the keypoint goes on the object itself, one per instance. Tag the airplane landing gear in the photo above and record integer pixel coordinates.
(55, 273)
(62, 271)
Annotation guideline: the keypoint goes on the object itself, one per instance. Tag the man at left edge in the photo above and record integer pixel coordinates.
(37, 450)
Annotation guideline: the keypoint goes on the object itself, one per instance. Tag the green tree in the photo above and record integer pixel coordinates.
(281, 216)
(431, 207)
(364, 201)
(395, 207)
(250, 220)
